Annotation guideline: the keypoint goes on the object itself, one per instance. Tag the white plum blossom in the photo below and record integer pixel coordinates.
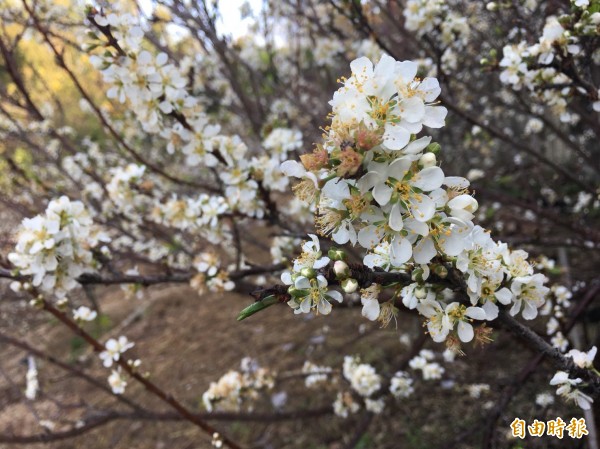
(401, 385)
(345, 405)
(544, 399)
(31, 377)
(55, 247)
(84, 313)
(114, 349)
(583, 359)
(567, 388)
(235, 387)
(117, 381)
(370, 300)
(442, 319)
(362, 377)
(530, 294)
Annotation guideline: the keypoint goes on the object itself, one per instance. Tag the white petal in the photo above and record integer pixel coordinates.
(341, 236)
(286, 278)
(362, 67)
(435, 116)
(400, 251)
(323, 261)
(382, 194)
(424, 251)
(396, 218)
(413, 109)
(491, 310)
(395, 137)
(456, 182)
(370, 309)
(465, 331)
(293, 168)
(429, 179)
(504, 295)
(321, 281)
(369, 236)
(399, 167)
(324, 307)
(334, 294)
(368, 181)
(302, 283)
(336, 189)
(529, 311)
(374, 260)
(477, 313)
(431, 87)
(305, 305)
(407, 70)
(422, 208)
(416, 227)
(418, 145)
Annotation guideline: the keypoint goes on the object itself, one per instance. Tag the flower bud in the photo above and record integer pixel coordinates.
(417, 274)
(428, 160)
(491, 6)
(336, 254)
(420, 293)
(341, 269)
(37, 302)
(308, 272)
(350, 285)
(434, 148)
(441, 271)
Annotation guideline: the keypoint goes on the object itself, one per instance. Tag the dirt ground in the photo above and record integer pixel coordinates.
(186, 341)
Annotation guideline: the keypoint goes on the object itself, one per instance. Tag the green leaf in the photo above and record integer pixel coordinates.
(257, 307)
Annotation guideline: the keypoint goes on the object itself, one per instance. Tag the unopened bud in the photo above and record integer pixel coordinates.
(308, 272)
(341, 269)
(349, 285)
(491, 6)
(434, 148)
(441, 271)
(37, 302)
(428, 160)
(336, 254)
(417, 275)
(420, 293)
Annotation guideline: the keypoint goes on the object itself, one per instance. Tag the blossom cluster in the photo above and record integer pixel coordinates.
(55, 248)
(210, 275)
(436, 20)
(570, 388)
(378, 185)
(236, 387)
(542, 67)
(309, 289)
(157, 92)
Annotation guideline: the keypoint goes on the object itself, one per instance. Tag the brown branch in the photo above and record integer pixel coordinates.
(70, 369)
(149, 385)
(109, 417)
